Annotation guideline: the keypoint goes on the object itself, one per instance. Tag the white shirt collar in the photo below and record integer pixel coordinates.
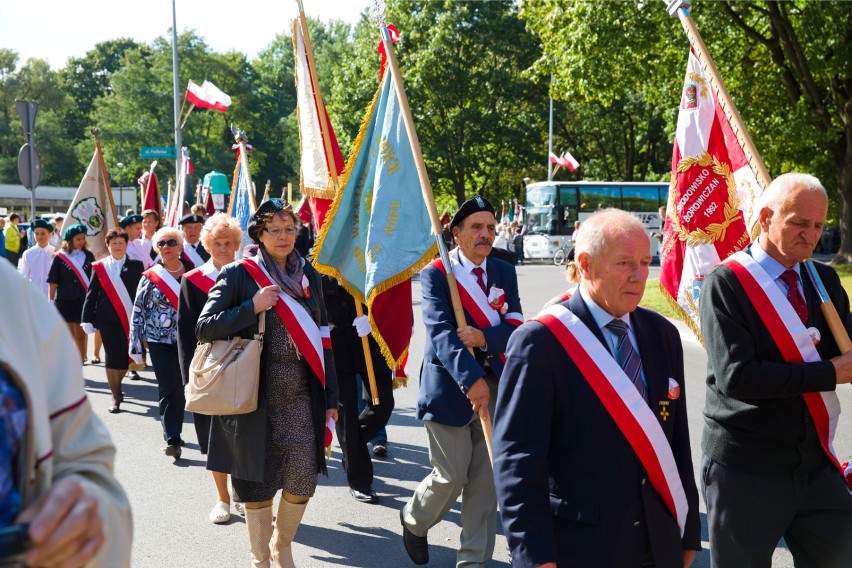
(469, 265)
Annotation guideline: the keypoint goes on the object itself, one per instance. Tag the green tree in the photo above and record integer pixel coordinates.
(478, 118)
(601, 55)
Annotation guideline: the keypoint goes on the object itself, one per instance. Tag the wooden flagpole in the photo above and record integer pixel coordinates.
(429, 199)
(332, 170)
(96, 134)
(681, 9)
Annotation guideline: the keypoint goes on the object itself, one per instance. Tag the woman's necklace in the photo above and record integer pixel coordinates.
(179, 268)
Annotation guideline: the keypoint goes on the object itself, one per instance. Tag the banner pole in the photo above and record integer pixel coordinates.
(681, 9)
(429, 199)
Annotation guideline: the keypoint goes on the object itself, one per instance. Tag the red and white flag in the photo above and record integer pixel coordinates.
(316, 160)
(207, 95)
(151, 191)
(566, 160)
(713, 190)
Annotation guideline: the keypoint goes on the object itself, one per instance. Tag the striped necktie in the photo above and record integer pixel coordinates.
(627, 357)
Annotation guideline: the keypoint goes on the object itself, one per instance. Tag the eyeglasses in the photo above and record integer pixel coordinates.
(168, 243)
(278, 231)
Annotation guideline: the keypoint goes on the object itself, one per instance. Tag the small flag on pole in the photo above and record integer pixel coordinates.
(207, 95)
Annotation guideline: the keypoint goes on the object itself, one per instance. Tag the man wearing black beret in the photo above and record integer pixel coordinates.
(193, 250)
(458, 381)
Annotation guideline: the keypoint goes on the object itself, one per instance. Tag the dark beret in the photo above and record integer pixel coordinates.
(130, 220)
(73, 231)
(191, 218)
(269, 206)
(42, 224)
(469, 207)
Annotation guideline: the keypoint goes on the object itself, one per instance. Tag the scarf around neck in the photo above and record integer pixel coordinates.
(290, 279)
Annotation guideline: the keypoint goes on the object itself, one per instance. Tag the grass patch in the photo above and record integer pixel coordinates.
(654, 299)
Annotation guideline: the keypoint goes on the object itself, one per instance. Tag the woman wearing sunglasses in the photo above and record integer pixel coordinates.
(279, 446)
(108, 305)
(220, 236)
(155, 322)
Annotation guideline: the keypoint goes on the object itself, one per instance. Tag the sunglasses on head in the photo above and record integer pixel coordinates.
(168, 243)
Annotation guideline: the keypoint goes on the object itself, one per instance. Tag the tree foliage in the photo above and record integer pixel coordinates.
(477, 75)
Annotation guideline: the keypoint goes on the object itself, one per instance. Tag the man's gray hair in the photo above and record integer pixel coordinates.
(778, 193)
(592, 235)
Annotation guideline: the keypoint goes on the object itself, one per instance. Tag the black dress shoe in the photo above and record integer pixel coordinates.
(173, 451)
(417, 547)
(114, 409)
(134, 376)
(365, 496)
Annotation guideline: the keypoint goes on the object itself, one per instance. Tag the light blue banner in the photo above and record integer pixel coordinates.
(378, 231)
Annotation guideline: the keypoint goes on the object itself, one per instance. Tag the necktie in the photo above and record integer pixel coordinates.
(479, 272)
(626, 355)
(793, 294)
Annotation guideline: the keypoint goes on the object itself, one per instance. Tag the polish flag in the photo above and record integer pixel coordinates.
(207, 95)
(566, 160)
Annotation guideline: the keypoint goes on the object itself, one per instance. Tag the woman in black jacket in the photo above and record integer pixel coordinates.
(221, 235)
(68, 281)
(107, 308)
(279, 446)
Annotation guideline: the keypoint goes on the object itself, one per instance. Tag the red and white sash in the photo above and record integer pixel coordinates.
(81, 274)
(309, 338)
(165, 282)
(117, 294)
(203, 277)
(190, 254)
(792, 338)
(624, 404)
(474, 300)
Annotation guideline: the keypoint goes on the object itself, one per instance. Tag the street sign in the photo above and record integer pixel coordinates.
(29, 167)
(157, 152)
(27, 111)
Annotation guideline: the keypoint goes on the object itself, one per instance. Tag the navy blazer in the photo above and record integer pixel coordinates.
(449, 369)
(570, 487)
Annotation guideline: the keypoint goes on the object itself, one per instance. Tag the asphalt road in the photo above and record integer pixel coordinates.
(171, 500)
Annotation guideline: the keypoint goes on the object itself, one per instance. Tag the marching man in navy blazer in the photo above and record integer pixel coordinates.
(589, 386)
(456, 385)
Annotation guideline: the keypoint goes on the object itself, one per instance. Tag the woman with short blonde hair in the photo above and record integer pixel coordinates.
(155, 322)
(221, 237)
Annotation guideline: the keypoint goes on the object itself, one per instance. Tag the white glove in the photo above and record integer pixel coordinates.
(88, 328)
(137, 358)
(362, 326)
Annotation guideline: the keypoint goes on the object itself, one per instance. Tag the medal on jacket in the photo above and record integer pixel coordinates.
(306, 288)
(674, 389)
(816, 336)
(497, 299)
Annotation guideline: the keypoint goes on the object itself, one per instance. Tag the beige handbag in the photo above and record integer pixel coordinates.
(224, 375)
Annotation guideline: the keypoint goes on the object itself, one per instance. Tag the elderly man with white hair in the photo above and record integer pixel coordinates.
(592, 460)
(769, 470)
